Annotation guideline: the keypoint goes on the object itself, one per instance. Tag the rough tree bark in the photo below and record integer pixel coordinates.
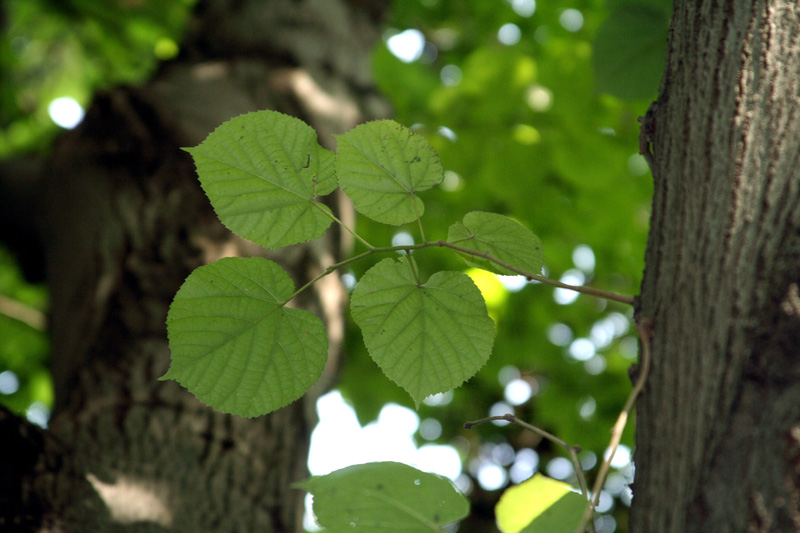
(123, 222)
(718, 431)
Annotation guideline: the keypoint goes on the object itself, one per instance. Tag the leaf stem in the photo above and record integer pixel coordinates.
(419, 219)
(413, 269)
(344, 226)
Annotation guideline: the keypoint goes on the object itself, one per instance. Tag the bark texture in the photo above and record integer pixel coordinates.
(123, 221)
(718, 427)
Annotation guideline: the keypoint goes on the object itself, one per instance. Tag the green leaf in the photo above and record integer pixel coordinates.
(629, 51)
(502, 237)
(382, 166)
(384, 497)
(427, 338)
(235, 345)
(262, 172)
(540, 505)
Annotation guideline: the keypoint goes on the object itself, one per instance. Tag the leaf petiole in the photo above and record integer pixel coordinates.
(345, 227)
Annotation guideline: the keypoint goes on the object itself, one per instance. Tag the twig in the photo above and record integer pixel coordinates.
(571, 450)
(645, 329)
(22, 312)
(622, 298)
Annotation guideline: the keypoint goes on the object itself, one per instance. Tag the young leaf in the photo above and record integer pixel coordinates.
(235, 346)
(262, 172)
(502, 237)
(382, 165)
(540, 505)
(384, 497)
(427, 338)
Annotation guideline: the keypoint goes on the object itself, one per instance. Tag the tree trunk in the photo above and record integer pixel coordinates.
(124, 222)
(718, 427)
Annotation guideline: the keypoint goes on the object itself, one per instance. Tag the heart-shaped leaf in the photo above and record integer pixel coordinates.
(382, 166)
(500, 236)
(427, 338)
(384, 498)
(263, 172)
(235, 345)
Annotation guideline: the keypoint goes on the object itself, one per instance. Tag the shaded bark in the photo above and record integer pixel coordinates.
(718, 426)
(123, 222)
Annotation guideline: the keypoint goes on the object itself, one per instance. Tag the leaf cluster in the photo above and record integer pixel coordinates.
(237, 345)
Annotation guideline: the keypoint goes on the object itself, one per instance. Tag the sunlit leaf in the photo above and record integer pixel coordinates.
(427, 337)
(382, 166)
(235, 346)
(629, 50)
(502, 237)
(540, 505)
(263, 172)
(384, 497)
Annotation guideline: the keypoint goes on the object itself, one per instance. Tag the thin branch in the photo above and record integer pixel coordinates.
(571, 450)
(622, 298)
(444, 244)
(22, 312)
(645, 329)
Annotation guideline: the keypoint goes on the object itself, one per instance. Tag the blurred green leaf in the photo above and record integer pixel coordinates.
(384, 497)
(540, 505)
(629, 50)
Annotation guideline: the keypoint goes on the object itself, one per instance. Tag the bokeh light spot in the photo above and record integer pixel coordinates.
(65, 112)
(500, 409)
(492, 476)
(451, 182)
(518, 392)
(524, 8)
(560, 468)
(9, 382)
(166, 48)
(559, 334)
(509, 34)
(430, 429)
(407, 46)
(583, 257)
(571, 20)
(581, 349)
(439, 399)
(539, 98)
(450, 75)
(526, 134)
(513, 283)
(570, 277)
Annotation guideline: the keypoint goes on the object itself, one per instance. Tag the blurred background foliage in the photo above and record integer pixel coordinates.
(525, 126)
